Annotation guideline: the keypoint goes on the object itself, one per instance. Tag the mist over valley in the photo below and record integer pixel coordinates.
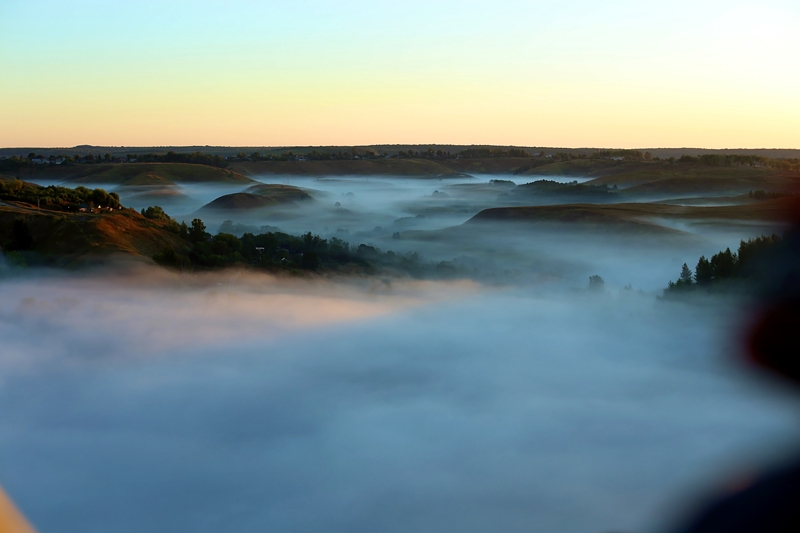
(373, 352)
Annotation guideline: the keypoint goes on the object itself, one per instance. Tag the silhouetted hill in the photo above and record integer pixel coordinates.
(259, 196)
(770, 210)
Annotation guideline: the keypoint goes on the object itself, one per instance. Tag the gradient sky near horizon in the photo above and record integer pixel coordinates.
(310, 72)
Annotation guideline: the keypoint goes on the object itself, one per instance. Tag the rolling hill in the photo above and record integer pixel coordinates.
(66, 238)
(259, 196)
(654, 179)
(778, 210)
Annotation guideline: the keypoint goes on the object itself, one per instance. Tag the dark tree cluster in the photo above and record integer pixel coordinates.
(196, 158)
(276, 251)
(726, 267)
(596, 283)
(369, 153)
(472, 153)
(15, 240)
(56, 198)
(761, 194)
(92, 159)
(239, 229)
(21, 238)
(628, 155)
(430, 153)
(314, 155)
(14, 164)
(157, 213)
(734, 160)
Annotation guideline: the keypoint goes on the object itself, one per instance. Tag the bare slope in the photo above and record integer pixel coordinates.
(75, 237)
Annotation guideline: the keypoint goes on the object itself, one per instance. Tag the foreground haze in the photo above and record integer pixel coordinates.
(484, 388)
(136, 401)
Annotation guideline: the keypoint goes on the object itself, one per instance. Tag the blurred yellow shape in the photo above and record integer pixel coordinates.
(11, 520)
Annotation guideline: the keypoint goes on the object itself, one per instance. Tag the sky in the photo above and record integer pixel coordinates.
(621, 73)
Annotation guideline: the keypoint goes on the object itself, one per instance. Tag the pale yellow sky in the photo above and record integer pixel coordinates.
(527, 74)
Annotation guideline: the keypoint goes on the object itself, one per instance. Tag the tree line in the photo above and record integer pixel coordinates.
(15, 163)
(732, 160)
(275, 251)
(726, 267)
(371, 153)
(57, 198)
(195, 158)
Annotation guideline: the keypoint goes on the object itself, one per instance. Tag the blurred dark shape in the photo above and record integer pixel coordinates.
(775, 341)
(770, 505)
(771, 502)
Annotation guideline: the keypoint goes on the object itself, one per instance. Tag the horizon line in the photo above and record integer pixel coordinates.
(273, 147)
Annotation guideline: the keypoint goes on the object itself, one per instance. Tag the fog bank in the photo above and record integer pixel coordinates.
(153, 402)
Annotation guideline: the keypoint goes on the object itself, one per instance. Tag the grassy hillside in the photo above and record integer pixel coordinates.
(281, 193)
(698, 182)
(73, 238)
(778, 210)
(657, 178)
(418, 168)
(589, 217)
(137, 174)
(258, 196)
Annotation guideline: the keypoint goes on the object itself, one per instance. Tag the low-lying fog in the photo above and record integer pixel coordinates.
(407, 214)
(364, 202)
(512, 399)
(145, 401)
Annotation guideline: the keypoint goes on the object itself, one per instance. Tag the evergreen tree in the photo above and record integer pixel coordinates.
(723, 265)
(686, 275)
(703, 272)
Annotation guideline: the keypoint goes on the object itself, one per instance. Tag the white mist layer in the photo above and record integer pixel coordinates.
(156, 404)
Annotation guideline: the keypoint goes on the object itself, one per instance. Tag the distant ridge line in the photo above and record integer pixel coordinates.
(86, 149)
